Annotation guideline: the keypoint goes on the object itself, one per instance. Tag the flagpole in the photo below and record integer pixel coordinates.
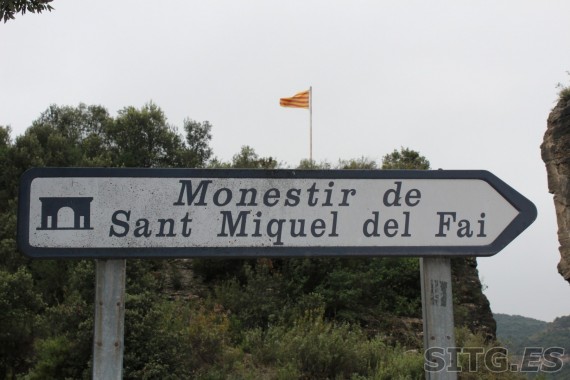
(311, 125)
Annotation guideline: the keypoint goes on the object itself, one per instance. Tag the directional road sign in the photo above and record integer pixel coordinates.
(160, 213)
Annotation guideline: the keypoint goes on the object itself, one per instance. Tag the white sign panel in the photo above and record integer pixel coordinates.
(189, 213)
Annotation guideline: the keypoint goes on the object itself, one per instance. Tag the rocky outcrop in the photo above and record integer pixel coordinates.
(472, 308)
(555, 151)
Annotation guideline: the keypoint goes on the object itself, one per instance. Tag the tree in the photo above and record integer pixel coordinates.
(5, 146)
(4, 139)
(19, 304)
(84, 126)
(358, 163)
(8, 8)
(307, 164)
(248, 159)
(198, 137)
(142, 138)
(83, 129)
(405, 159)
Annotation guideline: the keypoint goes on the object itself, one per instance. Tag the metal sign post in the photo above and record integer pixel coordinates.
(437, 312)
(108, 338)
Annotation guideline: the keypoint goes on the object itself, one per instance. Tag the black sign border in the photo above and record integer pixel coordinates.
(527, 215)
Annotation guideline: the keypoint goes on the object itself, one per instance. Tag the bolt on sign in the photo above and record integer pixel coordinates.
(160, 213)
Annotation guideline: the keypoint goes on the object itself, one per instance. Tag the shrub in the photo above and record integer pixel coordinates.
(314, 348)
(563, 90)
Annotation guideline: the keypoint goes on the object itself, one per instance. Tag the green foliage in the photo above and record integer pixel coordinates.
(65, 329)
(4, 138)
(173, 339)
(563, 90)
(51, 359)
(54, 361)
(198, 137)
(260, 282)
(10, 258)
(405, 159)
(564, 93)
(375, 294)
(359, 163)
(350, 288)
(142, 138)
(248, 159)
(515, 330)
(308, 164)
(146, 354)
(363, 163)
(8, 8)
(314, 348)
(61, 136)
(19, 305)
(5, 146)
(491, 362)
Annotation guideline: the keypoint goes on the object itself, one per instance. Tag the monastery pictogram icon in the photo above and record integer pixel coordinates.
(53, 207)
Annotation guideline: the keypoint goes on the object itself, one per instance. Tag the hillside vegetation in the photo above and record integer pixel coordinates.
(259, 318)
(518, 333)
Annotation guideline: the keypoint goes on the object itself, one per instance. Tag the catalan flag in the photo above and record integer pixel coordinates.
(300, 100)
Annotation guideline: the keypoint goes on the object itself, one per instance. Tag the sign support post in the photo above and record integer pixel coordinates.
(108, 342)
(437, 310)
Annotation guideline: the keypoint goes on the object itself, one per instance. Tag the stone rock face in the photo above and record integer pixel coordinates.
(472, 308)
(555, 151)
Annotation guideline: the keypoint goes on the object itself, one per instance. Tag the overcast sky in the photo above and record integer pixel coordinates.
(468, 84)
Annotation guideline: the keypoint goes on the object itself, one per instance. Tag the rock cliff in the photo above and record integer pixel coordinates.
(555, 151)
(472, 308)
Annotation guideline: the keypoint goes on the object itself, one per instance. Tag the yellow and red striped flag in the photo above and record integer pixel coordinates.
(300, 100)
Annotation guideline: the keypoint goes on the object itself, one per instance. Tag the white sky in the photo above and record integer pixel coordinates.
(468, 84)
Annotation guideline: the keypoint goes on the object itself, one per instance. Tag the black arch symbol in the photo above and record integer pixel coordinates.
(81, 207)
